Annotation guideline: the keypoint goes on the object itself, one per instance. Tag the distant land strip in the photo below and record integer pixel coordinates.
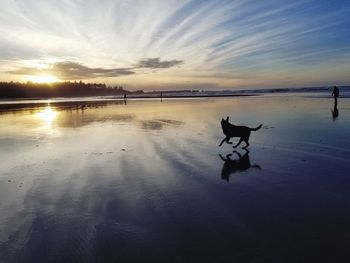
(30, 90)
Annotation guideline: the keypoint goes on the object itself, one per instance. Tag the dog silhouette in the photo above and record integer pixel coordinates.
(231, 130)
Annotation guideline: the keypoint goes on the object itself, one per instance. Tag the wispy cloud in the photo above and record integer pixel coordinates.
(246, 38)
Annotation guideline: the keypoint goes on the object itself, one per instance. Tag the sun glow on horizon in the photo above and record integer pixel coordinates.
(42, 79)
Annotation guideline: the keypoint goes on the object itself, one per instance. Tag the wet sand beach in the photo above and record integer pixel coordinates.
(145, 181)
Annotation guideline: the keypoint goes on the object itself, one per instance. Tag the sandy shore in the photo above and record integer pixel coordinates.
(144, 181)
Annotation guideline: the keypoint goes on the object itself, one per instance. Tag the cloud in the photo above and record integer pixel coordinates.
(226, 38)
(157, 63)
(68, 70)
(71, 70)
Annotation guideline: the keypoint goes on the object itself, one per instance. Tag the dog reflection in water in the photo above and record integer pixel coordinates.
(236, 165)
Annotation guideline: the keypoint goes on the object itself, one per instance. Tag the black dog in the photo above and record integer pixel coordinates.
(231, 130)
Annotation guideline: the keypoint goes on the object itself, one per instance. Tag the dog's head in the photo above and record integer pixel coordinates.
(224, 122)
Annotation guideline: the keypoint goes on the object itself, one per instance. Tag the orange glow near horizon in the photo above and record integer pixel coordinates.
(42, 79)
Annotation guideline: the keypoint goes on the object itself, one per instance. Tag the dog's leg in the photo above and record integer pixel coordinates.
(223, 141)
(238, 143)
(256, 166)
(245, 147)
(222, 158)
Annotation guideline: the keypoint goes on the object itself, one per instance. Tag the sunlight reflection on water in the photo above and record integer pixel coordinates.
(48, 115)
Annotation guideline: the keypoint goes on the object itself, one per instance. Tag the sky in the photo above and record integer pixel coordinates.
(176, 44)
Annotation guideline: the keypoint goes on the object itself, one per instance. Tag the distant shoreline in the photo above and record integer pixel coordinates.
(82, 102)
(131, 97)
(166, 95)
(42, 91)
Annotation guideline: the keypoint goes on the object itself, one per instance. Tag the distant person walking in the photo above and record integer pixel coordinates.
(335, 93)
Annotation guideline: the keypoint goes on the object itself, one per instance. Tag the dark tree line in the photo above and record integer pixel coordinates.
(59, 89)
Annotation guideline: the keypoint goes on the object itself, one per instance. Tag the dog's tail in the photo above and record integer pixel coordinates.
(257, 128)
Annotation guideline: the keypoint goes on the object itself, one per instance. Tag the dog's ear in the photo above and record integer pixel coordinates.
(227, 118)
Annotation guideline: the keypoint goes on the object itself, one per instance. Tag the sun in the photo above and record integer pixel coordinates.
(42, 78)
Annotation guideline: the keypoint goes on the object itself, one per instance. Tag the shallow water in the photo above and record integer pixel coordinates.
(142, 182)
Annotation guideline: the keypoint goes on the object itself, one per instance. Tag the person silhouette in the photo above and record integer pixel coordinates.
(124, 98)
(335, 93)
